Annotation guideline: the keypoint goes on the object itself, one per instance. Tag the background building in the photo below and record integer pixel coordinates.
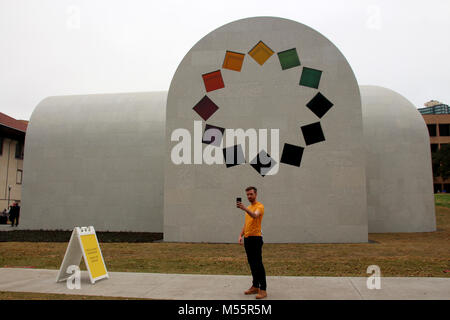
(12, 140)
(437, 118)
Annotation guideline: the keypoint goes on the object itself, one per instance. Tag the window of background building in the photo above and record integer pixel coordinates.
(443, 145)
(19, 150)
(19, 176)
(444, 129)
(431, 130)
(437, 187)
(434, 147)
(446, 187)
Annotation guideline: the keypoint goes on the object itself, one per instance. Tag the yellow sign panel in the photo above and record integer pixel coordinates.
(93, 255)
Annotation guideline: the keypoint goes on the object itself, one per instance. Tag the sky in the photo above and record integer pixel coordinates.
(64, 47)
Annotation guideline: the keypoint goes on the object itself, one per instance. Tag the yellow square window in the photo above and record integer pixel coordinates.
(261, 52)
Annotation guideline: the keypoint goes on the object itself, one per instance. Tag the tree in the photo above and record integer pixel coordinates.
(441, 162)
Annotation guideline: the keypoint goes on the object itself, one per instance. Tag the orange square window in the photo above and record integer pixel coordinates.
(233, 61)
(213, 81)
(261, 52)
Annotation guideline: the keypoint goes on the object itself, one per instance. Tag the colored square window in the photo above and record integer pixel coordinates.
(319, 105)
(313, 133)
(213, 81)
(233, 61)
(289, 59)
(310, 77)
(261, 52)
(292, 154)
(233, 155)
(213, 135)
(205, 108)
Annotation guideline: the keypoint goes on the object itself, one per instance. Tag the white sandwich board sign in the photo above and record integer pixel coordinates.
(84, 244)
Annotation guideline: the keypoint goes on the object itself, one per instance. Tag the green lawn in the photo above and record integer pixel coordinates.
(442, 199)
(397, 254)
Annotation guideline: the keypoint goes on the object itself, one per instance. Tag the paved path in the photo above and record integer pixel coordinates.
(223, 287)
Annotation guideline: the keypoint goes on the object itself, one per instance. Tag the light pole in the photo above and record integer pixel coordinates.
(9, 193)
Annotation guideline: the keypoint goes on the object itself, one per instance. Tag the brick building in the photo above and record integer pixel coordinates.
(12, 140)
(437, 118)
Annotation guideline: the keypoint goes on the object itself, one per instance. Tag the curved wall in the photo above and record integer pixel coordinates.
(95, 160)
(398, 165)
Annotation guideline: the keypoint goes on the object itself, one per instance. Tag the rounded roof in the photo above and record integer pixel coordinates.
(95, 160)
(268, 73)
(399, 179)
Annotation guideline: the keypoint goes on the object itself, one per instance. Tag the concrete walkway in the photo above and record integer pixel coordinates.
(221, 287)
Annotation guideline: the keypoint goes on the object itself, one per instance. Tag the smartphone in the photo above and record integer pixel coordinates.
(238, 199)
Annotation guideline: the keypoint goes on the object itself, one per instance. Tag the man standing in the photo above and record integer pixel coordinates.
(253, 242)
(14, 214)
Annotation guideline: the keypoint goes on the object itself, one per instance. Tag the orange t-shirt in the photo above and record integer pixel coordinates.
(252, 226)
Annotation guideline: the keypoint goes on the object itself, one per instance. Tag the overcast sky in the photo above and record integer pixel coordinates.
(62, 47)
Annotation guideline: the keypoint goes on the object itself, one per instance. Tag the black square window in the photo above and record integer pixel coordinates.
(434, 147)
(292, 154)
(313, 133)
(319, 105)
(263, 163)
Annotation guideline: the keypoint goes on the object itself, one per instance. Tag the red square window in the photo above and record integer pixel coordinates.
(213, 81)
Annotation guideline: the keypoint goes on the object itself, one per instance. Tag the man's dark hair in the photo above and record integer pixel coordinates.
(251, 188)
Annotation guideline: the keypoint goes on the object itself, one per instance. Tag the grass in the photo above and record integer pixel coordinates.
(397, 254)
(442, 199)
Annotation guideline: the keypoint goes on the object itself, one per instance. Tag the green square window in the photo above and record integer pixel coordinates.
(288, 59)
(310, 77)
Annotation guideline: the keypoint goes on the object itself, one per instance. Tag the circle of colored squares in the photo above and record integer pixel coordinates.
(291, 154)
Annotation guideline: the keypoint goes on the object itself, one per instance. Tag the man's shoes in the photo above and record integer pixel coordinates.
(252, 290)
(262, 294)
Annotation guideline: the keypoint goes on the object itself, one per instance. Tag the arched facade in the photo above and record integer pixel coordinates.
(398, 163)
(267, 73)
(95, 160)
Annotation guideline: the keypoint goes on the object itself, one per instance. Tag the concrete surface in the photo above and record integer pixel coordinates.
(323, 200)
(95, 160)
(224, 287)
(398, 164)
